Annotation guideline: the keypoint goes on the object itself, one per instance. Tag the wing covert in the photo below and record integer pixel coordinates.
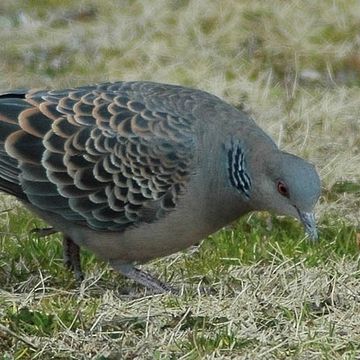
(100, 157)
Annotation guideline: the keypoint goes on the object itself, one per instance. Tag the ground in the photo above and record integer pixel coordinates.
(257, 289)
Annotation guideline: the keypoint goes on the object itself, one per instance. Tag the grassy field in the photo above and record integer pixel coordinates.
(269, 293)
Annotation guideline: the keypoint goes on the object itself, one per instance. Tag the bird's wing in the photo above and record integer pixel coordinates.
(107, 156)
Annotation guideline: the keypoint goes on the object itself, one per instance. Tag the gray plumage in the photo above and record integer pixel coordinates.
(138, 170)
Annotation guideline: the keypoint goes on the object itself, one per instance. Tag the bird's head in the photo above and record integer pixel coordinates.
(276, 181)
(289, 186)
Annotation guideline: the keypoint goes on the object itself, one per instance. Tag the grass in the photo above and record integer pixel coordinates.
(257, 289)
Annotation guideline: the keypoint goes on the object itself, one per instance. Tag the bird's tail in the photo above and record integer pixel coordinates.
(11, 106)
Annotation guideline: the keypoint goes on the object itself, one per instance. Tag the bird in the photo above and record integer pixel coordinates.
(137, 170)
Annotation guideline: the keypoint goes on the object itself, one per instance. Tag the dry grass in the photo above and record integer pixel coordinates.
(260, 312)
(295, 65)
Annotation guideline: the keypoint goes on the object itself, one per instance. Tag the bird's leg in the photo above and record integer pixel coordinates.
(142, 278)
(71, 254)
(71, 251)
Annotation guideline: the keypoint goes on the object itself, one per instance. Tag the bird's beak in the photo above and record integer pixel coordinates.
(309, 222)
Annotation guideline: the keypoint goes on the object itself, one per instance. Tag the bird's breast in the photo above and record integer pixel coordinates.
(197, 215)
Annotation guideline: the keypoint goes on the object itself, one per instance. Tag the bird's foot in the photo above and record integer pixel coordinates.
(143, 278)
(41, 232)
(71, 253)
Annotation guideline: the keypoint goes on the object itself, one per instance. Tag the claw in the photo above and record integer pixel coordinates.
(143, 278)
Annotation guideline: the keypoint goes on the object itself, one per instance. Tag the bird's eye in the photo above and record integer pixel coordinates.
(282, 189)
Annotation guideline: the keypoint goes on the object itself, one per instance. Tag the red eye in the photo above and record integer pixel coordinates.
(282, 189)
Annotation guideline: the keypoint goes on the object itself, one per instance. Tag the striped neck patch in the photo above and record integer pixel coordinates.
(239, 178)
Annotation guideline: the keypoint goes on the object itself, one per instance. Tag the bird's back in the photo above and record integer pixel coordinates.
(108, 156)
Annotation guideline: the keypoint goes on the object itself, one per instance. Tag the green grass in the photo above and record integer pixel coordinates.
(253, 274)
(256, 289)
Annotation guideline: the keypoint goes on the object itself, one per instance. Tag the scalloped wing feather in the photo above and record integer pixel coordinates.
(108, 156)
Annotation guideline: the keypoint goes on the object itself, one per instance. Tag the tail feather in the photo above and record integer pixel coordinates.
(10, 109)
(11, 105)
(8, 171)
